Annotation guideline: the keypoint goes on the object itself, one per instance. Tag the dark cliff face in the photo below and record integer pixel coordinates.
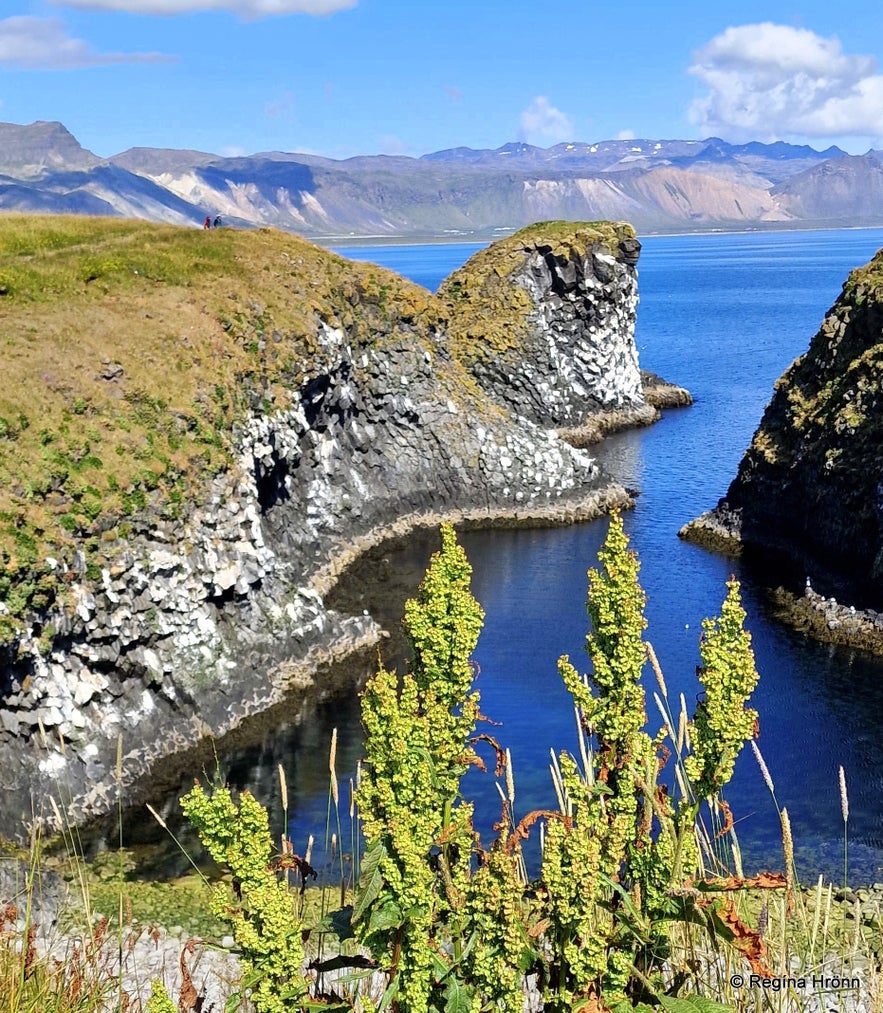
(811, 482)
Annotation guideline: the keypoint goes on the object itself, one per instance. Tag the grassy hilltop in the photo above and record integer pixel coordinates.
(129, 350)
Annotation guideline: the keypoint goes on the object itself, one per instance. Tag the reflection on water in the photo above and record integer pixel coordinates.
(249, 758)
(622, 455)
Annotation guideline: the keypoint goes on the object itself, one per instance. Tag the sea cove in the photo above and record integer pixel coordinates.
(723, 315)
(173, 527)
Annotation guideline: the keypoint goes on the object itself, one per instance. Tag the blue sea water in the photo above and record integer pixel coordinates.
(722, 315)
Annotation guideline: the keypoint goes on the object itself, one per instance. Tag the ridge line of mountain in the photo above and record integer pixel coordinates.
(457, 193)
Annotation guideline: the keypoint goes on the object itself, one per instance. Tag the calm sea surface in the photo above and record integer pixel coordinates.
(723, 315)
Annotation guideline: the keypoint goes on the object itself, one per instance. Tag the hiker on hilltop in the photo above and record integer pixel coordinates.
(207, 224)
(218, 222)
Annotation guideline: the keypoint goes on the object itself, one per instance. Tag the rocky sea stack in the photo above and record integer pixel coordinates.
(199, 429)
(811, 483)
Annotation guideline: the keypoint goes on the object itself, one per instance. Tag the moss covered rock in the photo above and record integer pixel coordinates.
(811, 483)
(544, 320)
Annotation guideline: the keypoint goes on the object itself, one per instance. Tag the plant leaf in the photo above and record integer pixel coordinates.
(385, 916)
(391, 992)
(458, 999)
(370, 880)
(340, 922)
(692, 1004)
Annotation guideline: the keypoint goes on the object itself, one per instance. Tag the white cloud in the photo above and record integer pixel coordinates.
(769, 81)
(43, 44)
(625, 135)
(542, 122)
(244, 8)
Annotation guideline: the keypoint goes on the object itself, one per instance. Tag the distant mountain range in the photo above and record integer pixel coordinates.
(659, 186)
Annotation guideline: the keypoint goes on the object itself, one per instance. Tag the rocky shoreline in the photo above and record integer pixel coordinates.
(662, 394)
(272, 651)
(827, 620)
(658, 394)
(716, 530)
(816, 615)
(342, 667)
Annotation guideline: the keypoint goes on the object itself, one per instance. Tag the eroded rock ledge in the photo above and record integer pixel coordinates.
(810, 486)
(393, 409)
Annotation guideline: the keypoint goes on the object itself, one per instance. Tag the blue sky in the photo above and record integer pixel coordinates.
(346, 77)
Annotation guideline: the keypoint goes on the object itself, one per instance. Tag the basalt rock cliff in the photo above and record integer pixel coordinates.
(200, 429)
(544, 312)
(811, 483)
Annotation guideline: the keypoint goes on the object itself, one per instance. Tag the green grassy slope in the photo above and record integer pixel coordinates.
(128, 351)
